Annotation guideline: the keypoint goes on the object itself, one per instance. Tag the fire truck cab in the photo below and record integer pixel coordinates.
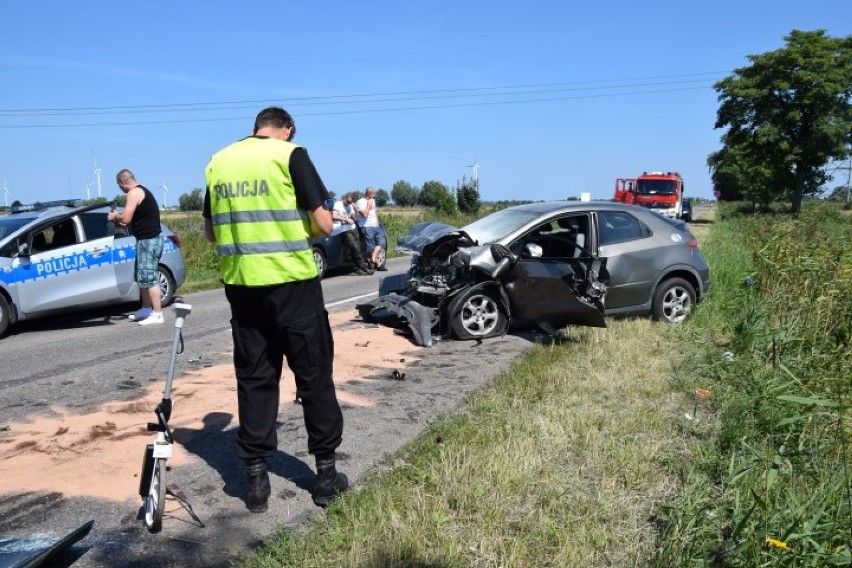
(661, 191)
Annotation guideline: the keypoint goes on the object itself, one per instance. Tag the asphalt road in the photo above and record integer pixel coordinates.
(85, 360)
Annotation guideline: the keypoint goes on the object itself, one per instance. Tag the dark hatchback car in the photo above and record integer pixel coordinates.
(329, 252)
(542, 264)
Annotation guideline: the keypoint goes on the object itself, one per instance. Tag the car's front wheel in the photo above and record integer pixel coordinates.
(479, 316)
(5, 315)
(167, 285)
(673, 300)
(319, 259)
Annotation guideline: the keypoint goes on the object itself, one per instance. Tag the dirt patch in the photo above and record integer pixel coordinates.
(99, 454)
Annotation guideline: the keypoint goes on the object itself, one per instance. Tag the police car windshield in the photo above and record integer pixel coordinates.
(9, 225)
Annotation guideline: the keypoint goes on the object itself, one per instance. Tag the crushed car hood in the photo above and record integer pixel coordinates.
(423, 238)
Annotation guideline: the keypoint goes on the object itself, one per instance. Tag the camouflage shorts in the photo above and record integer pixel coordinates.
(148, 253)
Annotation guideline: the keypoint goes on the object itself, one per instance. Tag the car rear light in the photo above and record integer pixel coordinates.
(175, 239)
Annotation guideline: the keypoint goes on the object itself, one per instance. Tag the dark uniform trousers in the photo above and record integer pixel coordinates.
(270, 323)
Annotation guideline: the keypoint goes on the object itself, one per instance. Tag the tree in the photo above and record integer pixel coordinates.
(432, 193)
(787, 115)
(192, 201)
(404, 194)
(467, 196)
(120, 200)
(382, 198)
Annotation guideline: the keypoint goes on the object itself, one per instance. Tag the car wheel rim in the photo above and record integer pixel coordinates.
(479, 315)
(676, 304)
(319, 262)
(164, 284)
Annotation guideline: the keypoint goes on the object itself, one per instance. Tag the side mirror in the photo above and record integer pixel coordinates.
(532, 250)
(23, 250)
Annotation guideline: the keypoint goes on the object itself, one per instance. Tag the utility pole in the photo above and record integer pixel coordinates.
(848, 178)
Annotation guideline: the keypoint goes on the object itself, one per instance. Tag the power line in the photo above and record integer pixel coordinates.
(358, 111)
(350, 102)
(179, 106)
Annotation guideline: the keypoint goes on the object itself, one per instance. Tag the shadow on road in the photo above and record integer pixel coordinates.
(215, 445)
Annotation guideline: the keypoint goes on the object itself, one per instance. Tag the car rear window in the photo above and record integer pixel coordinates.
(9, 225)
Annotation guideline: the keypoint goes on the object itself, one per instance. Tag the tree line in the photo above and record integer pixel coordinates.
(432, 194)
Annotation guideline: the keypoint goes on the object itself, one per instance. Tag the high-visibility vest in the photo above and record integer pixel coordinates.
(261, 234)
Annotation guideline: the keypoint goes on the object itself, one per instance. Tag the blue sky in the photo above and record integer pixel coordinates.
(551, 99)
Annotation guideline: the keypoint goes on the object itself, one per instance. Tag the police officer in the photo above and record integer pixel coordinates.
(264, 200)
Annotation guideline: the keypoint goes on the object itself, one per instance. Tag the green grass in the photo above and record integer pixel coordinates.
(594, 450)
(557, 463)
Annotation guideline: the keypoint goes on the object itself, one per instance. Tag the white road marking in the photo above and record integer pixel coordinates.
(352, 299)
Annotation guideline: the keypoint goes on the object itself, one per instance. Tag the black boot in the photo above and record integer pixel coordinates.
(259, 488)
(329, 483)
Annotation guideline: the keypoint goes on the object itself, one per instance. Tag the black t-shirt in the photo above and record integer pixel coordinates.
(146, 218)
(310, 190)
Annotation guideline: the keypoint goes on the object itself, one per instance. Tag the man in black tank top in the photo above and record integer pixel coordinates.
(142, 213)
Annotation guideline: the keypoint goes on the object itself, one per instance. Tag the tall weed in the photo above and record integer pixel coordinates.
(769, 482)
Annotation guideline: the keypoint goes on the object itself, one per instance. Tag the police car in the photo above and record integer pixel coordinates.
(60, 256)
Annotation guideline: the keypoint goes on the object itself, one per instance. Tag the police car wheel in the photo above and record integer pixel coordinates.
(167, 286)
(5, 314)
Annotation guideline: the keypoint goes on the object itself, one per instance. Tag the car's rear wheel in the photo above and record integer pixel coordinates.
(167, 285)
(319, 259)
(5, 315)
(479, 316)
(673, 300)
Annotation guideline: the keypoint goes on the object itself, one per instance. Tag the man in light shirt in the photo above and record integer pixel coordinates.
(368, 220)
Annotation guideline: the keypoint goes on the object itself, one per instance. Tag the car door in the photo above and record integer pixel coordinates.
(543, 289)
(633, 258)
(64, 270)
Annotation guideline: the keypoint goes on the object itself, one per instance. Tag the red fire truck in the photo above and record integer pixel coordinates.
(661, 191)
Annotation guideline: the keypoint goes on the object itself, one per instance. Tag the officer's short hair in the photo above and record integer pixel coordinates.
(275, 117)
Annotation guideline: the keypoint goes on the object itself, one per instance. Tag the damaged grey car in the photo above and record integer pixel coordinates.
(499, 272)
(543, 265)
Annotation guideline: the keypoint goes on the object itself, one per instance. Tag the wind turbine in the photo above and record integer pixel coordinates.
(165, 189)
(88, 187)
(6, 194)
(97, 174)
(475, 167)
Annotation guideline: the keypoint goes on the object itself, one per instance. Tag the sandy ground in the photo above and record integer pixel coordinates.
(98, 454)
(66, 466)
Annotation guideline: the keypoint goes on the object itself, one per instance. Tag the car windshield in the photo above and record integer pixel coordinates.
(655, 187)
(493, 227)
(9, 225)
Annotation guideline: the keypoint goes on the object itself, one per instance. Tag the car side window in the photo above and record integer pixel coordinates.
(619, 227)
(58, 235)
(96, 226)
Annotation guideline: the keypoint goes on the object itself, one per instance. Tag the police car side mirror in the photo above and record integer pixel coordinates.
(24, 249)
(329, 204)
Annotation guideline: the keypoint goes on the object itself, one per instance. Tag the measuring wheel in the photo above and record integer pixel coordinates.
(155, 501)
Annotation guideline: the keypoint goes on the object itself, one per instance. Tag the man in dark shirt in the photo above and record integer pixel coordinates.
(142, 213)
